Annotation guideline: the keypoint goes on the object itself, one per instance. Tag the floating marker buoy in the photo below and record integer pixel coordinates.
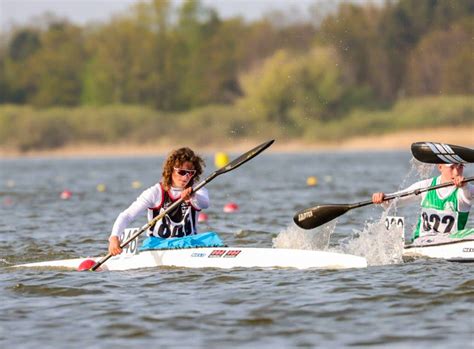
(101, 188)
(203, 217)
(86, 265)
(65, 195)
(311, 181)
(221, 159)
(231, 207)
(328, 179)
(136, 184)
(10, 183)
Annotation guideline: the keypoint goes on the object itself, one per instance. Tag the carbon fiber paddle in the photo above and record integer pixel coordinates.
(315, 216)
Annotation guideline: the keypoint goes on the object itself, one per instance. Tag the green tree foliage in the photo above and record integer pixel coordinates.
(24, 128)
(375, 43)
(165, 62)
(438, 64)
(119, 69)
(143, 58)
(295, 89)
(49, 72)
(23, 44)
(352, 31)
(6, 94)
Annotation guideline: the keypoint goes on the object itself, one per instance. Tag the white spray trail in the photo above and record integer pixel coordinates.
(379, 245)
(296, 238)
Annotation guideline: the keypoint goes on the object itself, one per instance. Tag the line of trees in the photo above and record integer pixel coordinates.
(276, 70)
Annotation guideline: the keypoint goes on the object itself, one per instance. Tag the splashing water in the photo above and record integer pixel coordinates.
(423, 170)
(377, 243)
(4, 261)
(296, 238)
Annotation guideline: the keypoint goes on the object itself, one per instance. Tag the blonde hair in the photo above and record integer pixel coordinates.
(175, 159)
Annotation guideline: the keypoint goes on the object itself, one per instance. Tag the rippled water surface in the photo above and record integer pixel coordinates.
(424, 304)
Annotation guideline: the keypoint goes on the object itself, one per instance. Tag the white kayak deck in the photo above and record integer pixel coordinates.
(220, 257)
(461, 250)
(243, 257)
(438, 246)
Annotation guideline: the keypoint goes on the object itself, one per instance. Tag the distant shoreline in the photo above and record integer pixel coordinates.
(392, 141)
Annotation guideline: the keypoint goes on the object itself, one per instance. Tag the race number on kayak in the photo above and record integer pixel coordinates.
(132, 247)
(396, 222)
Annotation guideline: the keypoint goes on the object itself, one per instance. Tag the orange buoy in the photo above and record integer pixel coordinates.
(231, 207)
(66, 194)
(202, 217)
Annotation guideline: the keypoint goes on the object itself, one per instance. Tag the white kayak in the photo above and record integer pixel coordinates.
(219, 257)
(440, 246)
(461, 250)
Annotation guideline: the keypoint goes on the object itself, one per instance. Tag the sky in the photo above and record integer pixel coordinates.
(83, 11)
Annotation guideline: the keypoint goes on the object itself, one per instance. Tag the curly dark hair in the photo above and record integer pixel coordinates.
(175, 159)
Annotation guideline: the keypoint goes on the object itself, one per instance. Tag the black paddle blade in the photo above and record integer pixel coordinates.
(244, 157)
(441, 153)
(313, 217)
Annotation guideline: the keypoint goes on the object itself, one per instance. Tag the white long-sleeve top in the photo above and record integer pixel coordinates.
(465, 194)
(152, 198)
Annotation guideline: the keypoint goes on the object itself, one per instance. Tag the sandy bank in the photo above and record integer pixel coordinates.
(394, 141)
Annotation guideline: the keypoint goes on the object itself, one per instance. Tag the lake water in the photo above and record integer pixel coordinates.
(424, 304)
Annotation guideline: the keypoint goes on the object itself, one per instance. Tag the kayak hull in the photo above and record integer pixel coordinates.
(455, 251)
(221, 257)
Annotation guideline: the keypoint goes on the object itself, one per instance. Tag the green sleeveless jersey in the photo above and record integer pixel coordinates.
(440, 215)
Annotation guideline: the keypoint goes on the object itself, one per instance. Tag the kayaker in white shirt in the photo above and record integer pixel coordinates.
(181, 170)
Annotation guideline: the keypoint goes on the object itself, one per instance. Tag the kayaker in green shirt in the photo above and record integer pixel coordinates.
(444, 210)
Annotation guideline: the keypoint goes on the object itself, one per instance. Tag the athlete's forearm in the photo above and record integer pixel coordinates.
(128, 216)
(200, 199)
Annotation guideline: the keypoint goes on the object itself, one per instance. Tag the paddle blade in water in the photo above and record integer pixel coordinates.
(313, 217)
(86, 265)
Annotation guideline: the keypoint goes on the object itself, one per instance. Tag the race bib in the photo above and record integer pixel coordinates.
(167, 228)
(436, 221)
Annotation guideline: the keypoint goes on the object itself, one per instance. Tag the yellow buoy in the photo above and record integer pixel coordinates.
(136, 184)
(101, 188)
(221, 159)
(312, 181)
